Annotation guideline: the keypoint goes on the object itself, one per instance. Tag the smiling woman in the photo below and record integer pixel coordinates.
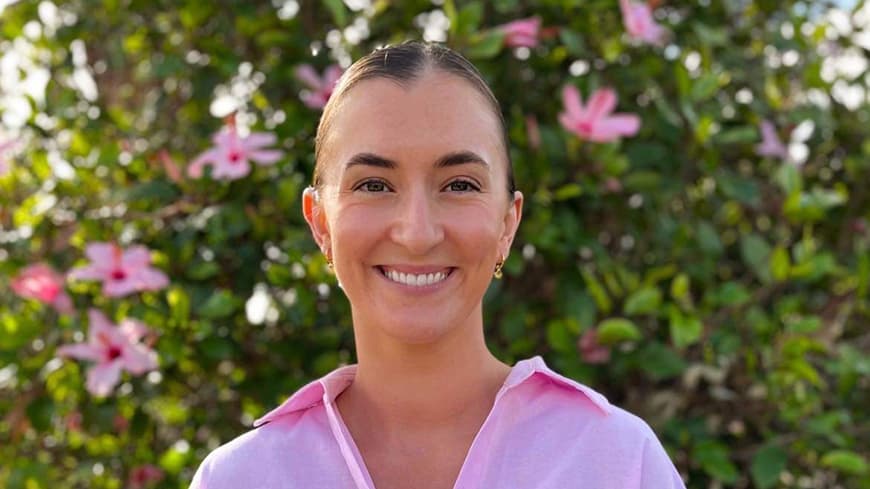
(409, 205)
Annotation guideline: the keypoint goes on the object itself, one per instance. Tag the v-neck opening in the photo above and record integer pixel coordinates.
(360, 472)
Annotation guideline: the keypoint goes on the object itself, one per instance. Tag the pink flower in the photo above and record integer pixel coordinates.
(594, 121)
(771, 146)
(590, 350)
(639, 22)
(113, 348)
(522, 32)
(122, 272)
(5, 147)
(231, 153)
(144, 475)
(319, 89)
(39, 281)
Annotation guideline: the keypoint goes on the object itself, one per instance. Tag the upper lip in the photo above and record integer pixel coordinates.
(416, 269)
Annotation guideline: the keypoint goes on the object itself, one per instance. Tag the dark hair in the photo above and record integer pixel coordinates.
(403, 63)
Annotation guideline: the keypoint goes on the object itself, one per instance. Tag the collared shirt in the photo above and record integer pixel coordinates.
(543, 431)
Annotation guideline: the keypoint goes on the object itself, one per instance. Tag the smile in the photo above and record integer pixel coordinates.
(413, 279)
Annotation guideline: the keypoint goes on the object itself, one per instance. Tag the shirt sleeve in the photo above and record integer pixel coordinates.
(657, 470)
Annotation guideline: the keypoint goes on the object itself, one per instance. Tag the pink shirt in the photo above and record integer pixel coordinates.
(543, 431)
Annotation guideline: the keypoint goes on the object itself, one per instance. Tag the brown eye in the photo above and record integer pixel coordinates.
(374, 186)
(462, 186)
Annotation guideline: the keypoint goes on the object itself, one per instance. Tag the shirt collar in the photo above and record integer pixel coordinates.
(327, 388)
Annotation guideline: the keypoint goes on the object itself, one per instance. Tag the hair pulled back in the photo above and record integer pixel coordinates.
(404, 63)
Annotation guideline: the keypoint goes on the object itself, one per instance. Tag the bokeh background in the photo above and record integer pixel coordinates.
(707, 271)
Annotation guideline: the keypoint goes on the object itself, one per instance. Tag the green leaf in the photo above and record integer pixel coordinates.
(685, 330)
(705, 86)
(779, 264)
(573, 42)
(643, 301)
(737, 135)
(469, 17)
(845, 461)
(660, 362)
(485, 45)
(220, 304)
(789, 178)
(767, 464)
(755, 252)
(179, 305)
(708, 239)
(338, 11)
(680, 287)
(568, 191)
(617, 330)
(597, 291)
(562, 335)
(713, 457)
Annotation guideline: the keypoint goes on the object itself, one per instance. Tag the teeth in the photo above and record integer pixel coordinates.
(415, 280)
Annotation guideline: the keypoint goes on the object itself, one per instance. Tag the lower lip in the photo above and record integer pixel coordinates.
(417, 288)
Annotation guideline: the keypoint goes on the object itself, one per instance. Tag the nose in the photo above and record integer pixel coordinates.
(417, 226)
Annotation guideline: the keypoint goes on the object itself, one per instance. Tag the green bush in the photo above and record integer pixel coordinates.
(718, 293)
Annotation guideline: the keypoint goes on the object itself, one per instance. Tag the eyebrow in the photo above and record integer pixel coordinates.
(450, 159)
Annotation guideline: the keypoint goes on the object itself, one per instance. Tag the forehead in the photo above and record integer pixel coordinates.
(416, 120)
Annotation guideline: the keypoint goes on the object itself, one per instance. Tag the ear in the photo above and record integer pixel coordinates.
(312, 209)
(512, 219)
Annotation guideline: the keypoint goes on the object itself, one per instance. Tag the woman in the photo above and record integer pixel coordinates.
(414, 207)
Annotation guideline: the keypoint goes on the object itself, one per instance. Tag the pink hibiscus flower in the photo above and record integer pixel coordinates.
(319, 89)
(6, 147)
(522, 32)
(639, 22)
(39, 281)
(595, 121)
(230, 154)
(121, 271)
(591, 351)
(771, 146)
(113, 348)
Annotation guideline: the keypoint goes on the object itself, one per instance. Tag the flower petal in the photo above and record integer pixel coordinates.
(119, 288)
(150, 279)
(82, 351)
(103, 377)
(611, 128)
(601, 103)
(132, 330)
(138, 359)
(331, 76)
(257, 140)
(265, 156)
(89, 272)
(100, 252)
(307, 75)
(194, 169)
(573, 102)
(136, 256)
(226, 170)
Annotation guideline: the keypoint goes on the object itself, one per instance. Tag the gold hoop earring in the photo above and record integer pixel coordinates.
(497, 272)
(329, 263)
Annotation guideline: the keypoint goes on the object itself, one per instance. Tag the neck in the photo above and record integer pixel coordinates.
(402, 390)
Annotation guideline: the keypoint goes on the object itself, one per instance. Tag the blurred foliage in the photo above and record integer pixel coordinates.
(731, 288)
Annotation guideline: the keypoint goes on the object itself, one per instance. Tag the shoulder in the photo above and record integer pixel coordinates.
(290, 447)
(578, 432)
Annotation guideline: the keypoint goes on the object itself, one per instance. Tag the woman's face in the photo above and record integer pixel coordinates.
(413, 208)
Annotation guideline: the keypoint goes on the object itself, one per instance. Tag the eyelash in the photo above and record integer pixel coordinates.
(471, 186)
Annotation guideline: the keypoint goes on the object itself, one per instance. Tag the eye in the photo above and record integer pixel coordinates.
(373, 186)
(462, 186)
